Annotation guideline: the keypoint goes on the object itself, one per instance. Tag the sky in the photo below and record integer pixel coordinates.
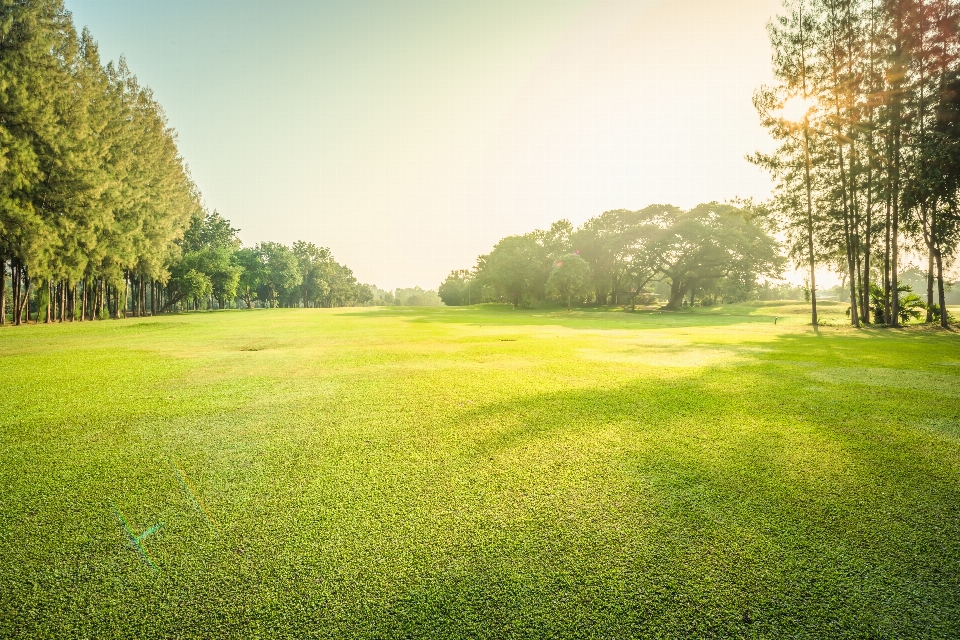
(409, 136)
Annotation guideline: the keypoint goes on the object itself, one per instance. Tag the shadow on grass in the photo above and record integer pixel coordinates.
(700, 509)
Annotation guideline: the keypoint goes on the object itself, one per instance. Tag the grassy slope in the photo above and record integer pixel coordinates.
(482, 472)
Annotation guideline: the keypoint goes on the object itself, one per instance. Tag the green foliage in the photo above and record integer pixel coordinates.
(912, 307)
(96, 201)
(710, 243)
(616, 246)
(417, 297)
(251, 274)
(570, 278)
(517, 268)
(197, 285)
(209, 249)
(459, 289)
(719, 250)
(281, 272)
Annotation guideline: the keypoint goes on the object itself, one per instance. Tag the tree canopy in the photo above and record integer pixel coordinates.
(98, 213)
(621, 255)
(864, 110)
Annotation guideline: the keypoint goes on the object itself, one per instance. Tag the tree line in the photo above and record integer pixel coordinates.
(865, 111)
(99, 216)
(711, 251)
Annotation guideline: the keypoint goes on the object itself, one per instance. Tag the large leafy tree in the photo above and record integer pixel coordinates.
(315, 265)
(570, 278)
(209, 248)
(459, 289)
(281, 272)
(517, 268)
(707, 243)
(614, 245)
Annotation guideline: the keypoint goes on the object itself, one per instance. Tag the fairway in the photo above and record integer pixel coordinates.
(479, 472)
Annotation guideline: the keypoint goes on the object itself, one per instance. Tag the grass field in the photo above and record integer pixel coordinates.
(479, 472)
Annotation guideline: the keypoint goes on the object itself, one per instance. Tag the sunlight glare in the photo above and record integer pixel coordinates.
(796, 108)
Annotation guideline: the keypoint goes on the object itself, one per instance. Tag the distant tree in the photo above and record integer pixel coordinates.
(570, 278)
(459, 289)
(517, 268)
(315, 265)
(196, 286)
(252, 271)
(419, 297)
(710, 242)
(281, 272)
(615, 245)
(209, 248)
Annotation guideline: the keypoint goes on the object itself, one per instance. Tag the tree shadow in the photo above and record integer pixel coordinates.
(691, 508)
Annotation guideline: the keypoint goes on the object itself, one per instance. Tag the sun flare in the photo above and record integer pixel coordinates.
(796, 108)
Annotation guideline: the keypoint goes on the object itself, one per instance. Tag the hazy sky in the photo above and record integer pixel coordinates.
(409, 136)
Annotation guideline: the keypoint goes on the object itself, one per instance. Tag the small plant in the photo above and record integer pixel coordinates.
(935, 314)
(911, 305)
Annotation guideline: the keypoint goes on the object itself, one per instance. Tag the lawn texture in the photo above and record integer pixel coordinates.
(479, 473)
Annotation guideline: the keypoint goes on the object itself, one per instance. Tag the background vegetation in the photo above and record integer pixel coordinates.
(98, 214)
(866, 111)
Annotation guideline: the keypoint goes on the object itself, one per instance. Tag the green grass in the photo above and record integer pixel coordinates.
(479, 472)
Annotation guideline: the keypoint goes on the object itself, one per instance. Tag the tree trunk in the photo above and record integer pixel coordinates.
(848, 232)
(3, 289)
(26, 295)
(944, 320)
(17, 284)
(17, 280)
(930, 284)
(895, 190)
(894, 279)
(568, 302)
(46, 313)
(677, 293)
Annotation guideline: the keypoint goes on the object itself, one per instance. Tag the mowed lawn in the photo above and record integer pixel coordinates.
(479, 473)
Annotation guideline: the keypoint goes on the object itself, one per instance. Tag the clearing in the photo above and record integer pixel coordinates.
(481, 472)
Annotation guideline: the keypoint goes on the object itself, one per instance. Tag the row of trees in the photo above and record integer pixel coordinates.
(98, 213)
(93, 193)
(711, 250)
(214, 266)
(866, 114)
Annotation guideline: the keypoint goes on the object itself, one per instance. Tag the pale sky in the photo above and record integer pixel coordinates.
(410, 135)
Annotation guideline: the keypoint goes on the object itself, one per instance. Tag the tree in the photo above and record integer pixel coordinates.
(709, 242)
(517, 268)
(791, 35)
(209, 248)
(315, 265)
(459, 289)
(614, 245)
(250, 262)
(570, 278)
(281, 272)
